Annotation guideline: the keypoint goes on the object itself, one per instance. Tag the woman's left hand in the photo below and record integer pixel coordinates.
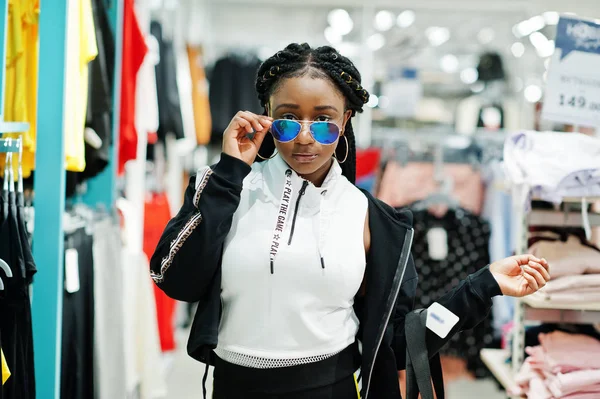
(520, 275)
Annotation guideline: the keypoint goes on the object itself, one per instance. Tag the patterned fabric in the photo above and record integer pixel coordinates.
(468, 251)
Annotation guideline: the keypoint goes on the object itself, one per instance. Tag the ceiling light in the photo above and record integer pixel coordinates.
(384, 20)
(537, 39)
(551, 17)
(529, 26)
(547, 49)
(518, 49)
(376, 41)
(469, 76)
(486, 35)
(533, 93)
(406, 19)
(332, 36)
(341, 21)
(449, 63)
(544, 47)
(477, 87)
(373, 101)
(437, 35)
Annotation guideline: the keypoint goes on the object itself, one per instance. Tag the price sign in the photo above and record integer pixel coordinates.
(573, 82)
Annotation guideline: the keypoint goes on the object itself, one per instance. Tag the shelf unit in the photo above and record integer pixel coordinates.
(504, 364)
(498, 362)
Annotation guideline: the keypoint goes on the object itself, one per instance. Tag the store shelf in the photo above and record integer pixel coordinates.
(558, 218)
(496, 362)
(539, 309)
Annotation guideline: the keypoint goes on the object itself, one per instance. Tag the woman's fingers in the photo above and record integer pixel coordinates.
(258, 122)
(541, 269)
(539, 279)
(531, 280)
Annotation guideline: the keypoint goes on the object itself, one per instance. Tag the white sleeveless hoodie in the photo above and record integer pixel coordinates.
(292, 263)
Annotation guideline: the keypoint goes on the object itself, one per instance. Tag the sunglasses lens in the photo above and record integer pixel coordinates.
(285, 130)
(325, 132)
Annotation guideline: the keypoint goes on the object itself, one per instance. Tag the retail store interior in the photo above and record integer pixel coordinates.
(483, 120)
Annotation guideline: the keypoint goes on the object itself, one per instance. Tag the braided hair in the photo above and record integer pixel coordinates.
(298, 60)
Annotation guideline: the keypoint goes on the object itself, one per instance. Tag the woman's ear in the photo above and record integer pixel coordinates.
(347, 116)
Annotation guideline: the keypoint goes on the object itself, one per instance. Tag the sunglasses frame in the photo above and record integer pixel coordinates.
(309, 123)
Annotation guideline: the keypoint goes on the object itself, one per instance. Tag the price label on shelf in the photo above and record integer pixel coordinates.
(573, 81)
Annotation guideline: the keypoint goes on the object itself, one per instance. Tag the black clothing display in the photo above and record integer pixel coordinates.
(169, 106)
(391, 278)
(99, 114)
(16, 335)
(468, 251)
(77, 363)
(232, 90)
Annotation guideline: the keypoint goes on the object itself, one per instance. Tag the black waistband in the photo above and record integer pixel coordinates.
(291, 379)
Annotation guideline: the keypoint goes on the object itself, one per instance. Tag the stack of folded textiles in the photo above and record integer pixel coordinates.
(574, 270)
(562, 366)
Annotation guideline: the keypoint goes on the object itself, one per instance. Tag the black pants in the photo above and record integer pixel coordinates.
(331, 378)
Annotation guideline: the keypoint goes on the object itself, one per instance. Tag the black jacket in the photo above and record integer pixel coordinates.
(186, 266)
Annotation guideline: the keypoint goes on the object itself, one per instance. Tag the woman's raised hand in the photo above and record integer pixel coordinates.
(236, 142)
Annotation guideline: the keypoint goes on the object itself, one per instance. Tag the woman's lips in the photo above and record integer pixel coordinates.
(304, 158)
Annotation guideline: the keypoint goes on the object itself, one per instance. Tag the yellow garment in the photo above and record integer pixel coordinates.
(81, 49)
(20, 96)
(202, 116)
(5, 370)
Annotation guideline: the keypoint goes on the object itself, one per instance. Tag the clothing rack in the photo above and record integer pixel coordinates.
(50, 180)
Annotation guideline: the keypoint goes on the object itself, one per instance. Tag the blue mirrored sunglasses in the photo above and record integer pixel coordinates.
(286, 130)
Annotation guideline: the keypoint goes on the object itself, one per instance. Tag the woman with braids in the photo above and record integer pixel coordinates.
(303, 280)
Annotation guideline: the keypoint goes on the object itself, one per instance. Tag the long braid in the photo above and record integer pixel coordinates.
(323, 62)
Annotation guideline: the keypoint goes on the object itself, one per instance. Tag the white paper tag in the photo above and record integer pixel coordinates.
(440, 320)
(71, 270)
(437, 240)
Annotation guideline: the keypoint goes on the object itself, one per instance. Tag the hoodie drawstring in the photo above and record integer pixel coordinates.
(284, 207)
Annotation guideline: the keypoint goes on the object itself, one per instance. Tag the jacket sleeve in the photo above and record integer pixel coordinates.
(190, 248)
(470, 300)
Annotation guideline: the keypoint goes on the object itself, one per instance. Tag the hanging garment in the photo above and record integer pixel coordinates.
(402, 185)
(109, 317)
(5, 369)
(232, 90)
(20, 96)
(100, 94)
(465, 250)
(169, 108)
(146, 111)
(77, 361)
(202, 117)
(16, 334)
(157, 214)
(81, 49)
(30, 267)
(134, 42)
(498, 212)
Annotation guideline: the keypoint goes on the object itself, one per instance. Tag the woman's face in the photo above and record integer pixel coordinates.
(308, 99)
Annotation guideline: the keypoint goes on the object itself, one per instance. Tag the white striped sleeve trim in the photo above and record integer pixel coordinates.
(202, 178)
(176, 245)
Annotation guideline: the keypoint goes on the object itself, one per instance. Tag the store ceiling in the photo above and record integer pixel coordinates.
(474, 26)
